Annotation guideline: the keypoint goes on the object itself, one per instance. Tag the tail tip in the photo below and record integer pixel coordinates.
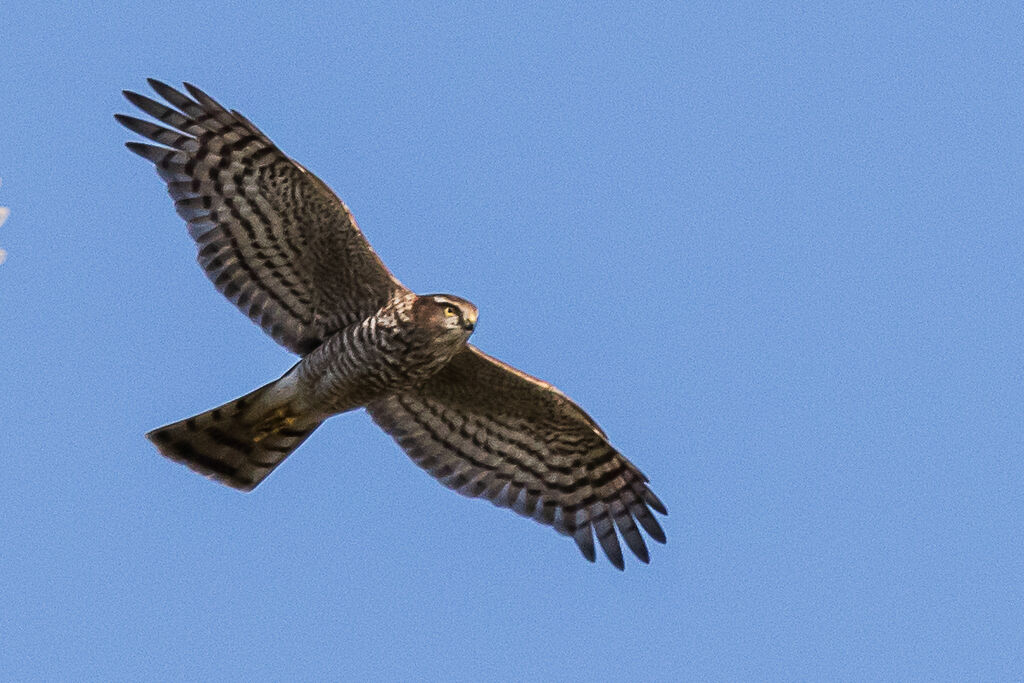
(159, 437)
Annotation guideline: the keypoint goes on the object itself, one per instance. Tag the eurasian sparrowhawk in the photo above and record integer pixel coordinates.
(276, 241)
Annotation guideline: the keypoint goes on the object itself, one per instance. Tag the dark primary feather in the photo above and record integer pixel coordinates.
(272, 237)
(485, 429)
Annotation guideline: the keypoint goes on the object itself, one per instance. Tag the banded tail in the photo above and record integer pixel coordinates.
(239, 443)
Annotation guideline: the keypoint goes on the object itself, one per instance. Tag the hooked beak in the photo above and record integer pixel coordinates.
(469, 321)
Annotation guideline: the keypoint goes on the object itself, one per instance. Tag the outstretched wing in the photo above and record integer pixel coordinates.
(487, 430)
(272, 236)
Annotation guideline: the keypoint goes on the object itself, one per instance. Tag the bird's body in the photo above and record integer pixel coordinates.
(283, 248)
(397, 348)
(400, 346)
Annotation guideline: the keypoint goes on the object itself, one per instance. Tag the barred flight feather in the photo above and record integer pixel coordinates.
(297, 251)
(487, 430)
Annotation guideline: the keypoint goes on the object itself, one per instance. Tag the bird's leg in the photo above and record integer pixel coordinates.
(273, 422)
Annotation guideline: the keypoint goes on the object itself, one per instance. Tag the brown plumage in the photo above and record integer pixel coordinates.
(283, 248)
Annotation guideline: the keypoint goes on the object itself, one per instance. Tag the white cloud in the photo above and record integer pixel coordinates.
(4, 213)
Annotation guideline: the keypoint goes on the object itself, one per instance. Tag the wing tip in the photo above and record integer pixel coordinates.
(655, 502)
(151, 153)
(201, 96)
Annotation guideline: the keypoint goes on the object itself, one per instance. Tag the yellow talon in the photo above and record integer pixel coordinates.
(273, 423)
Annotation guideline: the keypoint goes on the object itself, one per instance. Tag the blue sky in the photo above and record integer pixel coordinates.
(775, 252)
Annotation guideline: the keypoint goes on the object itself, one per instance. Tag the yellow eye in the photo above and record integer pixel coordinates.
(450, 312)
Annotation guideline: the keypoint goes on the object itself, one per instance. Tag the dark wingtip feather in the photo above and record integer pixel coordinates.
(584, 538)
(631, 535)
(148, 152)
(135, 98)
(140, 126)
(604, 529)
(201, 96)
(654, 502)
(640, 550)
(172, 95)
(651, 526)
(157, 84)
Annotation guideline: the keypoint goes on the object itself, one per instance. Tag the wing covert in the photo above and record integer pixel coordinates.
(271, 236)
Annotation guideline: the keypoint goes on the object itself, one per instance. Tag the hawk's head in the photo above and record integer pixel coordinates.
(450, 316)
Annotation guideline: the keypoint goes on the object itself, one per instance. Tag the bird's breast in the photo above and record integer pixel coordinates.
(368, 361)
